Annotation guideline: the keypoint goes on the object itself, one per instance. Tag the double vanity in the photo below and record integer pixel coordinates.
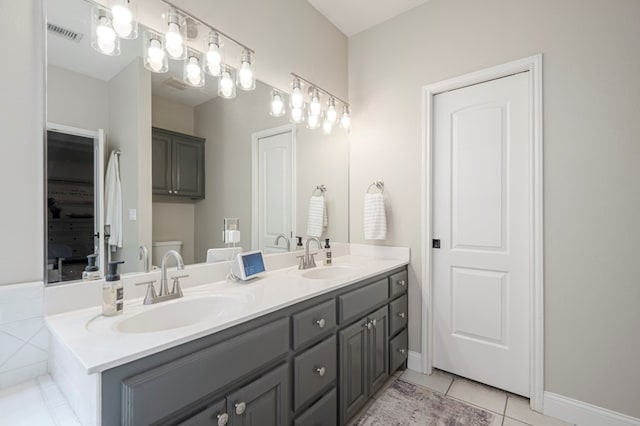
(300, 347)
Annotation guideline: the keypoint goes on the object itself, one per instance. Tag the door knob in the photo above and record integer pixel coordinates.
(240, 407)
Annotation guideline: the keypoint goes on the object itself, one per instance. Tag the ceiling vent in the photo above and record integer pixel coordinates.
(175, 83)
(64, 32)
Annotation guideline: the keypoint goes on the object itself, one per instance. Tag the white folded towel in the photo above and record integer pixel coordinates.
(375, 221)
(113, 202)
(317, 216)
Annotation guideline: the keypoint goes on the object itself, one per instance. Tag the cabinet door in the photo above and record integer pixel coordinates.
(215, 415)
(263, 402)
(161, 163)
(378, 349)
(353, 369)
(188, 161)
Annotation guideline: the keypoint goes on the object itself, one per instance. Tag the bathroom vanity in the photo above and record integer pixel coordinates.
(295, 347)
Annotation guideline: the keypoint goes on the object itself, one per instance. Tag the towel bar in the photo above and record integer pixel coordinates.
(378, 184)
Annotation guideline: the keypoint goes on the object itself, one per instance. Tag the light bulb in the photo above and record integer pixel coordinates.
(155, 55)
(226, 84)
(314, 106)
(194, 73)
(332, 114)
(345, 121)
(297, 99)
(327, 126)
(277, 106)
(122, 20)
(174, 40)
(246, 76)
(214, 59)
(313, 121)
(296, 115)
(106, 36)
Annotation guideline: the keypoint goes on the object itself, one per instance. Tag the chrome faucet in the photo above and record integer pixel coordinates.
(287, 240)
(176, 292)
(308, 261)
(143, 254)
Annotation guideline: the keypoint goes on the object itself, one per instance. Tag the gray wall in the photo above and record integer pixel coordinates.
(21, 149)
(591, 152)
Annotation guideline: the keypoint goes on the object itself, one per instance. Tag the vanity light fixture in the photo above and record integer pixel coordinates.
(297, 98)
(327, 126)
(316, 117)
(313, 121)
(103, 36)
(155, 58)
(314, 104)
(277, 104)
(192, 73)
(345, 120)
(246, 81)
(297, 115)
(124, 18)
(214, 54)
(226, 88)
(174, 37)
(331, 114)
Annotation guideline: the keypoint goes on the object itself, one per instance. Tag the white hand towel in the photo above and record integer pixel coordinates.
(113, 202)
(375, 221)
(317, 219)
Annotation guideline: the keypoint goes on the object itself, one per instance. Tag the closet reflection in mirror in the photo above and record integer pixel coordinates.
(87, 90)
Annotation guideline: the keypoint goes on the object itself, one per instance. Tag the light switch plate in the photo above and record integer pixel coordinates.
(133, 215)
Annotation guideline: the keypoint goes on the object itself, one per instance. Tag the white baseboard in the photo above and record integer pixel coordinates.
(584, 414)
(414, 361)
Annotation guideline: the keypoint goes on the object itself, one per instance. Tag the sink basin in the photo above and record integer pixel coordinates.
(329, 272)
(180, 313)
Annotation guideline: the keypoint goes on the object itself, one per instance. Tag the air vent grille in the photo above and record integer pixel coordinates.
(175, 83)
(64, 32)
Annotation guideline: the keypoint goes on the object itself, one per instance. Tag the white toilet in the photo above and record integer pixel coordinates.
(159, 248)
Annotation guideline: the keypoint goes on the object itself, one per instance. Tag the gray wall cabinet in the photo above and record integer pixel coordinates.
(315, 363)
(178, 164)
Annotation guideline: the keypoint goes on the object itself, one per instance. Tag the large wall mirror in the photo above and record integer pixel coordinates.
(258, 169)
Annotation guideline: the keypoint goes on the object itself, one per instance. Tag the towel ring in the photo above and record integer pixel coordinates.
(377, 184)
(320, 188)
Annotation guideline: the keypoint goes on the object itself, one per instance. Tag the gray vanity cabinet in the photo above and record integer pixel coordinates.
(177, 164)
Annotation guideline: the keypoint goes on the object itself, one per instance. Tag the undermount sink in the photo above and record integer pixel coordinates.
(180, 313)
(329, 272)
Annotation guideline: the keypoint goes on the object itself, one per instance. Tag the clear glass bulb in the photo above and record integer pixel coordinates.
(327, 126)
(214, 59)
(226, 84)
(106, 36)
(194, 73)
(345, 121)
(332, 114)
(297, 100)
(277, 106)
(246, 75)
(155, 55)
(313, 121)
(174, 40)
(314, 106)
(122, 20)
(296, 115)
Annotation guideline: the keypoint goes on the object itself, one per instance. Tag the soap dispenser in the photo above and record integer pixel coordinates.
(327, 250)
(112, 291)
(299, 245)
(91, 272)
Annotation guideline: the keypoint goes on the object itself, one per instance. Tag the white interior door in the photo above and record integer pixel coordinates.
(480, 273)
(275, 187)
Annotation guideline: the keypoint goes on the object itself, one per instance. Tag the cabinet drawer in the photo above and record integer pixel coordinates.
(397, 314)
(180, 382)
(398, 350)
(314, 370)
(362, 300)
(312, 323)
(208, 417)
(322, 413)
(398, 283)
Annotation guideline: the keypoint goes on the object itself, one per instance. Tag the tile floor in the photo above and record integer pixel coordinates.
(509, 409)
(36, 402)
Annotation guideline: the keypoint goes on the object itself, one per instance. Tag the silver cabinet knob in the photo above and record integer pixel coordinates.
(402, 351)
(373, 322)
(321, 322)
(367, 325)
(223, 419)
(321, 371)
(240, 407)
(175, 192)
(402, 283)
(401, 315)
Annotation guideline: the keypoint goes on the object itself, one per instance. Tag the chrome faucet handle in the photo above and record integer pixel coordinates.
(151, 295)
(301, 264)
(176, 284)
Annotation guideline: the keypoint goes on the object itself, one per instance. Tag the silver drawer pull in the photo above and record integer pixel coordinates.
(402, 283)
(321, 322)
(223, 419)
(240, 407)
(321, 371)
(401, 315)
(402, 351)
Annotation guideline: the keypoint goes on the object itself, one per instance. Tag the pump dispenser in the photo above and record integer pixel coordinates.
(299, 245)
(112, 291)
(327, 249)
(91, 272)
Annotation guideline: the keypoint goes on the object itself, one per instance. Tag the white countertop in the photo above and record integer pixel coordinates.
(98, 346)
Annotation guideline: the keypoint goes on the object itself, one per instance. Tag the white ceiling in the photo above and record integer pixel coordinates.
(354, 16)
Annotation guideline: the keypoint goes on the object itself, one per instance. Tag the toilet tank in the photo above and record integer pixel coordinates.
(159, 248)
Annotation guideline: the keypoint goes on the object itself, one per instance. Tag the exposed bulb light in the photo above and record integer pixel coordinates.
(214, 55)
(173, 36)
(155, 58)
(296, 99)
(226, 88)
(345, 120)
(327, 126)
(313, 121)
(331, 115)
(314, 105)
(277, 104)
(245, 74)
(103, 37)
(192, 71)
(123, 19)
(297, 115)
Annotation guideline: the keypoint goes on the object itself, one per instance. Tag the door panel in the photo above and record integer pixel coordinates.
(379, 349)
(161, 170)
(187, 180)
(353, 369)
(481, 215)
